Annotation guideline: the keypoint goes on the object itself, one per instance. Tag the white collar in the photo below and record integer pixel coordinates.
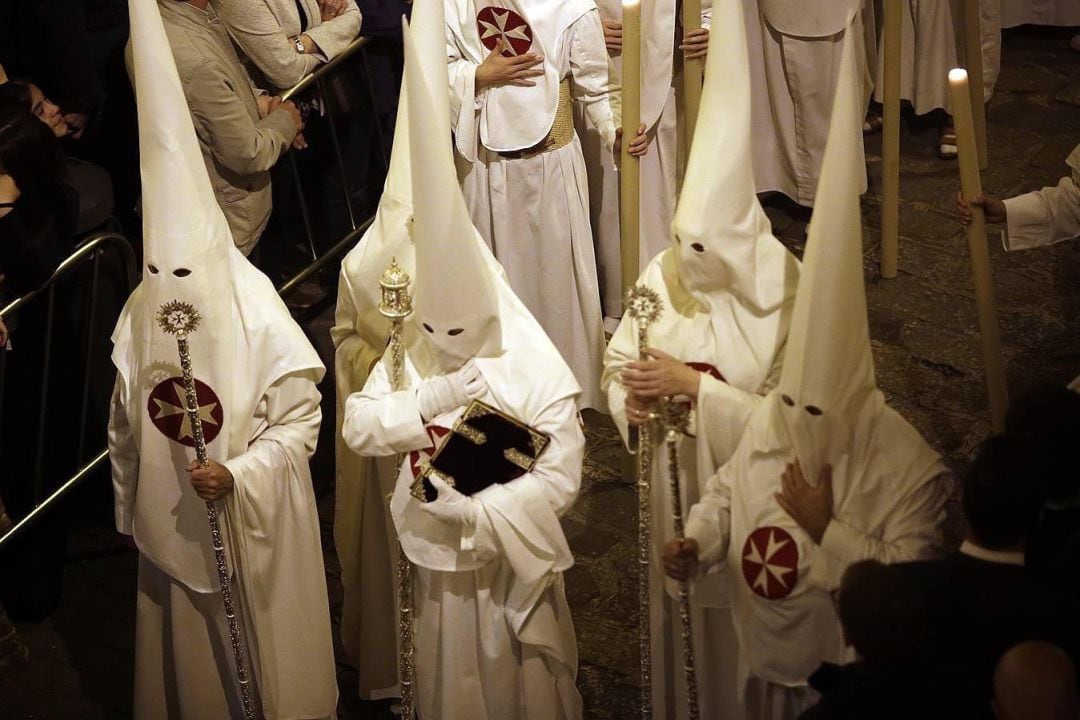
(1004, 557)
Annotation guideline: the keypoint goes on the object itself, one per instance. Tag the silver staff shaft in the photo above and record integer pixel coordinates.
(191, 402)
(674, 420)
(643, 305)
(396, 305)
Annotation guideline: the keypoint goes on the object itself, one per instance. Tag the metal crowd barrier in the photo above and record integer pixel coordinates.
(92, 249)
(91, 252)
(319, 79)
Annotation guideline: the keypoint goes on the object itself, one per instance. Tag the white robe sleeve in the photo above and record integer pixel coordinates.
(722, 413)
(911, 533)
(465, 103)
(706, 14)
(124, 457)
(594, 86)
(709, 520)
(1043, 217)
(379, 422)
(621, 350)
(288, 417)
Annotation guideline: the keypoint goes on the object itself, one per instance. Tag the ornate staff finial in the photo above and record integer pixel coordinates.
(643, 304)
(396, 302)
(178, 318)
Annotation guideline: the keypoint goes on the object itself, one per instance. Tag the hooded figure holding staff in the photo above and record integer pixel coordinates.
(255, 376)
(727, 287)
(825, 473)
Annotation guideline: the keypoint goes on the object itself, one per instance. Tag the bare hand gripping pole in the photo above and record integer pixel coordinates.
(396, 305)
(676, 416)
(643, 305)
(181, 319)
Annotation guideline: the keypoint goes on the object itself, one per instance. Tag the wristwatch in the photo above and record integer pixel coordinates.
(299, 45)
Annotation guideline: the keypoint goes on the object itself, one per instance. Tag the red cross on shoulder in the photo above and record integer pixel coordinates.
(496, 22)
(418, 458)
(770, 562)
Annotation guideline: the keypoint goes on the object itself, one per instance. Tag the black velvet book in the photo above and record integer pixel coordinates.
(486, 446)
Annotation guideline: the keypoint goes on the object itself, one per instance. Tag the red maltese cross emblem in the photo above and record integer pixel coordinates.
(770, 562)
(496, 22)
(419, 458)
(166, 408)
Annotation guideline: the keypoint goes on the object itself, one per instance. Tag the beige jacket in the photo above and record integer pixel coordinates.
(238, 146)
(262, 29)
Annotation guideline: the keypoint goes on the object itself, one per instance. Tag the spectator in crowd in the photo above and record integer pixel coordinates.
(90, 182)
(38, 209)
(27, 94)
(1034, 219)
(979, 601)
(873, 604)
(1035, 680)
(287, 39)
(1047, 417)
(242, 134)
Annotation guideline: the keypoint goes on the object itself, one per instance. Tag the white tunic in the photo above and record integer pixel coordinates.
(888, 503)
(927, 53)
(494, 637)
(534, 211)
(794, 79)
(659, 167)
(685, 331)
(183, 658)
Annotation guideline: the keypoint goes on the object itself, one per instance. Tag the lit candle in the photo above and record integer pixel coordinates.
(971, 186)
(630, 185)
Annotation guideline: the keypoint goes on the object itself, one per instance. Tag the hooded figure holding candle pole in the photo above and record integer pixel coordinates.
(664, 48)
(516, 69)
(825, 473)
(493, 634)
(255, 379)
(727, 287)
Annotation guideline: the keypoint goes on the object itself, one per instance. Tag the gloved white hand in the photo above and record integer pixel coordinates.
(443, 393)
(451, 506)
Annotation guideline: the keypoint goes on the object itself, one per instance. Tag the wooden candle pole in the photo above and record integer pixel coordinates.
(971, 185)
(630, 185)
(973, 65)
(890, 142)
(693, 71)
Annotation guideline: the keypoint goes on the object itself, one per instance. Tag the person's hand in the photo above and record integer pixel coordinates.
(660, 376)
(695, 43)
(266, 104)
(212, 482)
(451, 506)
(442, 393)
(613, 36)
(993, 208)
(638, 410)
(681, 558)
(330, 9)
(294, 112)
(638, 146)
(810, 507)
(76, 123)
(497, 70)
(3, 334)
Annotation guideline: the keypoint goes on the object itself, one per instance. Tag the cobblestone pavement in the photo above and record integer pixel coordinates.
(923, 327)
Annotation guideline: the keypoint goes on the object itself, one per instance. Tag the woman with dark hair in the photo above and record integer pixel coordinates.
(38, 209)
(28, 95)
